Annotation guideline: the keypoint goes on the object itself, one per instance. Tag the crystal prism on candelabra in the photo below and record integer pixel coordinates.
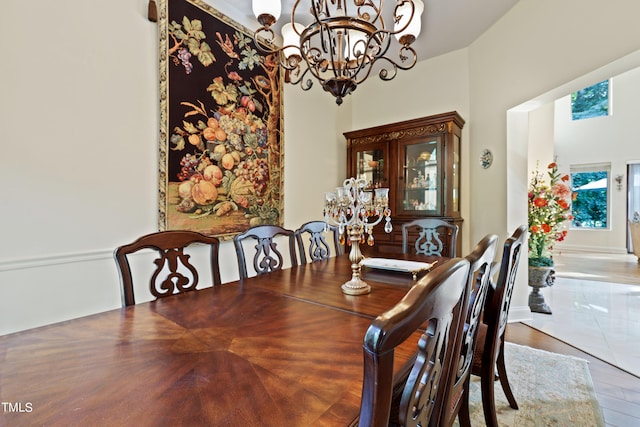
(356, 211)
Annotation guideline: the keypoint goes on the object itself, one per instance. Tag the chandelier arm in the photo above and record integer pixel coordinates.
(291, 63)
(325, 38)
(263, 38)
(317, 4)
(384, 72)
(377, 12)
(313, 59)
(364, 68)
(266, 45)
(382, 42)
(387, 75)
(293, 17)
(413, 57)
(397, 18)
(305, 85)
(361, 75)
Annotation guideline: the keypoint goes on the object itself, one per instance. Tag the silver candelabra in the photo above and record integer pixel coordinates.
(356, 211)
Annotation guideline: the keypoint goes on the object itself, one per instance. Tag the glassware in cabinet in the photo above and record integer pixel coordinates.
(370, 165)
(420, 186)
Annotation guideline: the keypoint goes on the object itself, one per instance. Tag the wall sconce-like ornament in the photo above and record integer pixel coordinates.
(619, 179)
(486, 158)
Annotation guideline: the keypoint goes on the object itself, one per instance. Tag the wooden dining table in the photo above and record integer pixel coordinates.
(279, 349)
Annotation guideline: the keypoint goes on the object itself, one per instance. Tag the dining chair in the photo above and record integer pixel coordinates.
(430, 236)
(432, 308)
(267, 257)
(317, 247)
(455, 400)
(174, 271)
(489, 353)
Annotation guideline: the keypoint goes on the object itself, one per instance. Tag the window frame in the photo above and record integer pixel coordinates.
(593, 168)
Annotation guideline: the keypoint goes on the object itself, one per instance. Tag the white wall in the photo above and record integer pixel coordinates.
(80, 123)
(79, 113)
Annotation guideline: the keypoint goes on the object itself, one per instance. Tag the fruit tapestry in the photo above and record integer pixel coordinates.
(221, 124)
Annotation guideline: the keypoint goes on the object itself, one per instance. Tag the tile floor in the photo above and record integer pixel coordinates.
(600, 318)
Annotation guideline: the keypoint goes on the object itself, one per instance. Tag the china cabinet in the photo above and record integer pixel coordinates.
(419, 161)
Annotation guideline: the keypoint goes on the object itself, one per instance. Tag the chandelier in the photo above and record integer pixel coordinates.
(339, 46)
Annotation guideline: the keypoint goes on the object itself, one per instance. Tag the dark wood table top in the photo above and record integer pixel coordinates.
(320, 282)
(282, 349)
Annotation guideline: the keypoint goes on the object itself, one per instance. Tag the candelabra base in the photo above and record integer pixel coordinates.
(356, 286)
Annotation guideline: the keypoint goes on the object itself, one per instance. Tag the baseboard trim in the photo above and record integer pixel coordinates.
(519, 314)
(55, 259)
(580, 248)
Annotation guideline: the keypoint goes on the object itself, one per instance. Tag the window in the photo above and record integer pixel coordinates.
(592, 101)
(590, 207)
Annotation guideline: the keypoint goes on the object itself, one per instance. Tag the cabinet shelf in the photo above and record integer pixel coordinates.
(368, 169)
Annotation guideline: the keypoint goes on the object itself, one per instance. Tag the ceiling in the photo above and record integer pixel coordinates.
(447, 25)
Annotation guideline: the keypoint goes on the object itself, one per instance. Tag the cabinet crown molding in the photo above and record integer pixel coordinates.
(424, 126)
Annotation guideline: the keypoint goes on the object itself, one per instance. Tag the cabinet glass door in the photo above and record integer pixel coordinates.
(455, 181)
(420, 189)
(370, 166)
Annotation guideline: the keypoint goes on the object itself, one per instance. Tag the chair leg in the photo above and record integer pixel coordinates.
(464, 418)
(504, 381)
(488, 400)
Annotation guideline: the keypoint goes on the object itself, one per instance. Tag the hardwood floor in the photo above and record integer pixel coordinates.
(618, 391)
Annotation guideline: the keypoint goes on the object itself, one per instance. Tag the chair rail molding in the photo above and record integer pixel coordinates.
(55, 259)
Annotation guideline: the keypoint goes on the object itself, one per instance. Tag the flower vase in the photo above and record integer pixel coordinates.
(540, 277)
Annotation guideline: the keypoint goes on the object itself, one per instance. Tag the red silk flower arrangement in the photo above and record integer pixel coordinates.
(549, 207)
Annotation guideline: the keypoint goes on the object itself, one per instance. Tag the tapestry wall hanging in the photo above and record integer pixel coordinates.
(221, 124)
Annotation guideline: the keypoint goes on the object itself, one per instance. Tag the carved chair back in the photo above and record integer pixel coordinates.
(429, 236)
(267, 257)
(433, 308)
(456, 399)
(317, 247)
(489, 352)
(174, 271)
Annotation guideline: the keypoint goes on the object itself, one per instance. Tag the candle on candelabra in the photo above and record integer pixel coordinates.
(356, 211)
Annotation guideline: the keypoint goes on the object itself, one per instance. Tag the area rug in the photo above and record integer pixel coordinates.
(551, 390)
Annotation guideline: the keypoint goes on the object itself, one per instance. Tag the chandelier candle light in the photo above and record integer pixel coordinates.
(357, 211)
(338, 41)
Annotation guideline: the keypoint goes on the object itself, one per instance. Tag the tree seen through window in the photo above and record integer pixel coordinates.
(592, 101)
(589, 208)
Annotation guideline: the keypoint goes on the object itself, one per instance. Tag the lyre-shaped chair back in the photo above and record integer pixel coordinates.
(430, 236)
(174, 272)
(437, 302)
(456, 399)
(267, 256)
(498, 310)
(318, 248)
(489, 353)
